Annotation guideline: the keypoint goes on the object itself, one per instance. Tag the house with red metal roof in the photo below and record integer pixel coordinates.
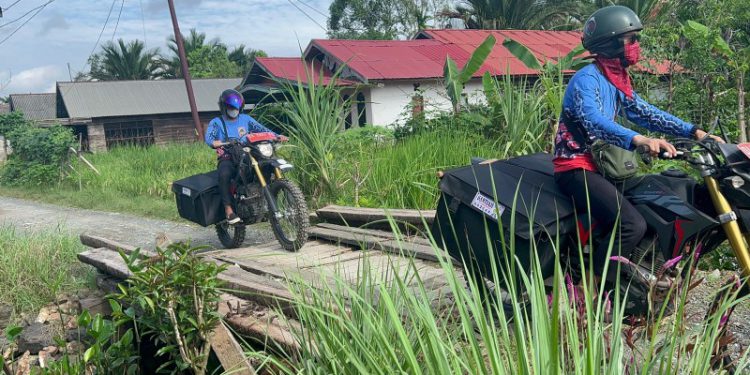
(388, 77)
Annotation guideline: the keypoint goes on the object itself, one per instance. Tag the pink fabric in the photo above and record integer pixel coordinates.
(632, 53)
(616, 74)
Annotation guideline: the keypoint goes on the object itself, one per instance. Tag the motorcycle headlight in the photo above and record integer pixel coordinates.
(266, 149)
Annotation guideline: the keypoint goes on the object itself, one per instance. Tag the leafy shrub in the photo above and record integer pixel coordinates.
(38, 155)
(473, 120)
(12, 121)
(176, 296)
(110, 350)
(368, 135)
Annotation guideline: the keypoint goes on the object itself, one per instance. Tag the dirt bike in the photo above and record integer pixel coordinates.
(260, 192)
(480, 203)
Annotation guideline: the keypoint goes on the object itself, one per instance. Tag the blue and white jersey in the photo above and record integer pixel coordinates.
(590, 106)
(240, 127)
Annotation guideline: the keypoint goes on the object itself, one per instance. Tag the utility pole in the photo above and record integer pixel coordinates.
(185, 72)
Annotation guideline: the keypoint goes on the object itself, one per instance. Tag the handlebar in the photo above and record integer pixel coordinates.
(234, 141)
(645, 153)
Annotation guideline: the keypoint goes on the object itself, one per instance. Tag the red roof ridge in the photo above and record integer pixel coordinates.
(278, 58)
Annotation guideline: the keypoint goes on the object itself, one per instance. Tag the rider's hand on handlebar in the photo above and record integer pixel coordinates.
(700, 135)
(655, 145)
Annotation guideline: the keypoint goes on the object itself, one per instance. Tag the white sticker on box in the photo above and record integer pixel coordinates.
(487, 205)
(186, 191)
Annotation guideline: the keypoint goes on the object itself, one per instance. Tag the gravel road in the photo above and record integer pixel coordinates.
(124, 228)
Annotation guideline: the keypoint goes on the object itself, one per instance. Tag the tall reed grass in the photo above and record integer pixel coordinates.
(376, 327)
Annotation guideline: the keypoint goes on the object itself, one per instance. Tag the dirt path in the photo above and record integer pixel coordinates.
(126, 228)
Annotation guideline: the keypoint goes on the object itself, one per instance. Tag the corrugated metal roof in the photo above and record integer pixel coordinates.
(293, 69)
(34, 106)
(544, 44)
(425, 58)
(132, 98)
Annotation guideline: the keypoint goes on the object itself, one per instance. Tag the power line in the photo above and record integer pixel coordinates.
(11, 5)
(26, 14)
(98, 39)
(313, 8)
(40, 8)
(122, 4)
(307, 15)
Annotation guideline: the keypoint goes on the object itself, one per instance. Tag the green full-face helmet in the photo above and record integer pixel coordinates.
(602, 31)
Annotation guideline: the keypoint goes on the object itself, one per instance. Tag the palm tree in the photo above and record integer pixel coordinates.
(121, 61)
(244, 57)
(515, 14)
(194, 41)
(647, 10)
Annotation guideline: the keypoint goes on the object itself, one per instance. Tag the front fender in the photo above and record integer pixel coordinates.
(281, 164)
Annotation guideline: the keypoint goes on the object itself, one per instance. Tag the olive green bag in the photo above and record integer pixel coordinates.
(613, 162)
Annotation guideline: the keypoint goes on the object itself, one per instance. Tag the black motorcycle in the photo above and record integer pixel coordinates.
(260, 192)
(479, 205)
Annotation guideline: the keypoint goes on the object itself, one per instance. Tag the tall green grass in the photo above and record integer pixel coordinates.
(133, 179)
(36, 266)
(376, 327)
(133, 171)
(403, 174)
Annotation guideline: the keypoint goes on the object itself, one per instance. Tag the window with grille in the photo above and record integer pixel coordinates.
(129, 133)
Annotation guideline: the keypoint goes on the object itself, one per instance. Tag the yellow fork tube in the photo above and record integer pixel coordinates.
(278, 173)
(731, 228)
(256, 167)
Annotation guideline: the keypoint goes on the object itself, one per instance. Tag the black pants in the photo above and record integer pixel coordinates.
(227, 169)
(605, 203)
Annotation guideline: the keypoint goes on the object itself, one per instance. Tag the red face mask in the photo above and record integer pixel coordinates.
(632, 53)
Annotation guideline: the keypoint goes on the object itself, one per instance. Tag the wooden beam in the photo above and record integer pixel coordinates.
(377, 233)
(98, 242)
(367, 241)
(229, 351)
(357, 216)
(107, 261)
(260, 329)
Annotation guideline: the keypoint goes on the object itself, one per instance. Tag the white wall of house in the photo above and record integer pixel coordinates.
(389, 101)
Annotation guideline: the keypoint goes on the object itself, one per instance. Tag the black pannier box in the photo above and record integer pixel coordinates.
(476, 207)
(198, 198)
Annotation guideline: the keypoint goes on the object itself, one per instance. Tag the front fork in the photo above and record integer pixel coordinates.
(264, 186)
(737, 240)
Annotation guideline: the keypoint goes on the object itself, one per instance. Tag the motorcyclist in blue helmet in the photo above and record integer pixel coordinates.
(231, 124)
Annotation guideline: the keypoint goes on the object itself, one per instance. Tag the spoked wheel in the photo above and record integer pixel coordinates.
(290, 225)
(231, 236)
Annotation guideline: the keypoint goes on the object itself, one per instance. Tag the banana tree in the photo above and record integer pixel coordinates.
(455, 79)
(551, 72)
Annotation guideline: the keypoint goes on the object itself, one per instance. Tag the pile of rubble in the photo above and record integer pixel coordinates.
(53, 333)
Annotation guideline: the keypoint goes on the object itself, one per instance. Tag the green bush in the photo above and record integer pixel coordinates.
(38, 155)
(369, 135)
(173, 299)
(12, 121)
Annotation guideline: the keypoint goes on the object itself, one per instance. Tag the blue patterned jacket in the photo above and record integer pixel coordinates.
(588, 114)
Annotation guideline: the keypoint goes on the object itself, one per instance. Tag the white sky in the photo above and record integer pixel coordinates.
(66, 31)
